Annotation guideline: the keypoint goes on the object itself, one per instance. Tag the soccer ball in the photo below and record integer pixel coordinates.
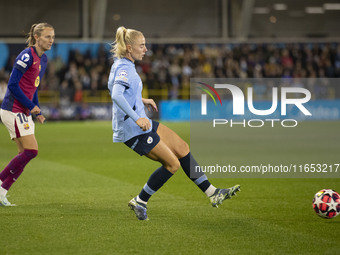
(326, 203)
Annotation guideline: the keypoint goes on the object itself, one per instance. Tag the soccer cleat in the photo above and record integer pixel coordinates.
(5, 202)
(222, 194)
(139, 209)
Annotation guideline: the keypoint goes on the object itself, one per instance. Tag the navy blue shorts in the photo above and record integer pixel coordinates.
(143, 144)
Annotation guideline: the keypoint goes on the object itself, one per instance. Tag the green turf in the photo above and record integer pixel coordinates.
(72, 199)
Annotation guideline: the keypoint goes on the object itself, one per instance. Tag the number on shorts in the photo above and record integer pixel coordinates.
(22, 117)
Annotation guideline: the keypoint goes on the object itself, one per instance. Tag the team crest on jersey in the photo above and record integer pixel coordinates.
(25, 57)
(26, 126)
(37, 81)
(123, 75)
(150, 140)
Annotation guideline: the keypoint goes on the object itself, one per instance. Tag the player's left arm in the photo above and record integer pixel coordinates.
(35, 100)
(41, 118)
(150, 104)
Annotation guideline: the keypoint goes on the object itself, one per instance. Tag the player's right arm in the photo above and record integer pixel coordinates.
(22, 63)
(119, 99)
(13, 86)
(117, 85)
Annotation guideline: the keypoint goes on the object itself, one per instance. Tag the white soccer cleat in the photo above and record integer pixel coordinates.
(5, 202)
(139, 209)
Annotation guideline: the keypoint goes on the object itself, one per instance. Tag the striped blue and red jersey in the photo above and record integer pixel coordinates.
(28, 70)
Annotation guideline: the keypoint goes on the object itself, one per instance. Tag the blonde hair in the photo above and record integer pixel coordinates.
(36, 29)
(124, 37)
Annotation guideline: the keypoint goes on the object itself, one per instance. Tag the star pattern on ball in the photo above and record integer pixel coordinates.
(326, 203)
(318, 201)
(332, 205)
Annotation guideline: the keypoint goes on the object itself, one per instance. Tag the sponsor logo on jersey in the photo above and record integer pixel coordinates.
(22, 64)
(123, 75)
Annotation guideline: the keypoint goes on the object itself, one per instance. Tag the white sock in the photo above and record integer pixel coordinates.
(140, 200)
(210, 191)
(3, 192)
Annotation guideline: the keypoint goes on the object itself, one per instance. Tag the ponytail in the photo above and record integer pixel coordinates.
(124, 37)
(30, 37)
(36, 29)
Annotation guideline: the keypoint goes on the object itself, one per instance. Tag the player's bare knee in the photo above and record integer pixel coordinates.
(183, 150)
(174, 166)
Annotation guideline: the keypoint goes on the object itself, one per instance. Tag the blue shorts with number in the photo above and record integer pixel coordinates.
(143, 144)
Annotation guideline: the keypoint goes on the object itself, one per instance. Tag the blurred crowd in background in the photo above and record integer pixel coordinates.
(170, 67)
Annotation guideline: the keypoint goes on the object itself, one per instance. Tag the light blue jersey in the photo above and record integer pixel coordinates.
(123, 73)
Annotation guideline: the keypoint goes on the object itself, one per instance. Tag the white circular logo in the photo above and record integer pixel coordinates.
(123, 73)
(150, 140)
(25, 57)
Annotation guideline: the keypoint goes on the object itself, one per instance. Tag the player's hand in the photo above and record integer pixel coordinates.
(143, 123)
(35, 110)
(150, 104)
(41, 118)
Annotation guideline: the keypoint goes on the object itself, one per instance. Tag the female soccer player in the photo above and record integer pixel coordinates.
(150, 138)
(21, 101)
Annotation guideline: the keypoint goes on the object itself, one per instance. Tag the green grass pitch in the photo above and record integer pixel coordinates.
(72, 199)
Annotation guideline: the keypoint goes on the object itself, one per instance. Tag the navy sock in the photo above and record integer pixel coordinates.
(193, 171)
(155, 182)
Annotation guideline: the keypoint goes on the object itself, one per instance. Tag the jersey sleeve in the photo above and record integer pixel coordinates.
(36, 100)
(43, 64)
(24, 60)
(13, 86)
(119, 99)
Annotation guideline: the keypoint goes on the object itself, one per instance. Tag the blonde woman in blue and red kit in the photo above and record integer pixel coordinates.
(21, 101)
